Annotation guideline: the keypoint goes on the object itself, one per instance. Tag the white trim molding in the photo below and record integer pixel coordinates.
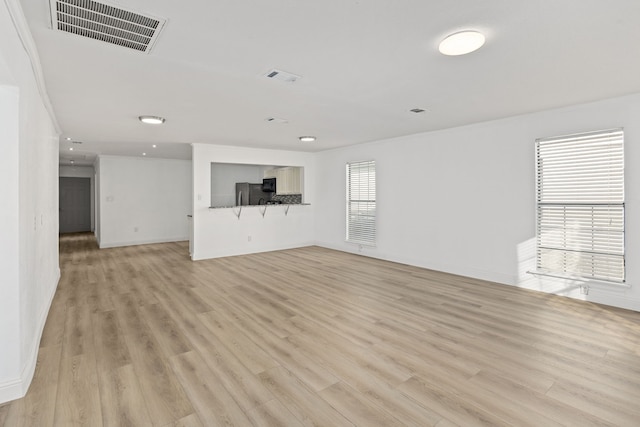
(11, 390)
(24, 33)
(17, 388)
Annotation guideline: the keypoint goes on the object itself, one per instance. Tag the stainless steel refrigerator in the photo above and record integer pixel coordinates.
(251, 194)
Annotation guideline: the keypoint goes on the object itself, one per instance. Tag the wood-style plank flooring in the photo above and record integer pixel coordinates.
(142, 336)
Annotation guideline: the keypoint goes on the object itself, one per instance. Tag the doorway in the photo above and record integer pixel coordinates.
(75, 205)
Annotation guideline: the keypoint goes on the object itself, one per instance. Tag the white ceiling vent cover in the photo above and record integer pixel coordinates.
(282, 76)
(100, 21)
(276, 120)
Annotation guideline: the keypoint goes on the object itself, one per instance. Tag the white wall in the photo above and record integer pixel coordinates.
(10, 357)
(143, 200)
(463, 200)
(218, 232)
(29, 208)
(83, 172)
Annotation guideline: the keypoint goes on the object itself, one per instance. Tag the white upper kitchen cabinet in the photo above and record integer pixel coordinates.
(288, 179)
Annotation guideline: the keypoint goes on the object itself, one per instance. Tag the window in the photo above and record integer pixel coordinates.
(361, 202)
(580, 206)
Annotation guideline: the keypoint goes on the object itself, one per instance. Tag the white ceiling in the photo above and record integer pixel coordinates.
(364, 65)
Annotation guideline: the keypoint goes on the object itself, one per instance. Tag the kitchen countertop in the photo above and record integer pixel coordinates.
(254, 206)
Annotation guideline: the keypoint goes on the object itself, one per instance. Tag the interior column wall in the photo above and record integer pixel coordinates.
(29, 208)
(9, 244)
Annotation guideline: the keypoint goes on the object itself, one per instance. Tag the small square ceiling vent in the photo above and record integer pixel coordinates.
(282, 76)
(100, 21)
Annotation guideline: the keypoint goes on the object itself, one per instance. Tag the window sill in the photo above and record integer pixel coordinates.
(584, 280)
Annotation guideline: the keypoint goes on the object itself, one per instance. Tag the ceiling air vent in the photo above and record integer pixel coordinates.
(276, 120)
(107, 23)
(283, 76)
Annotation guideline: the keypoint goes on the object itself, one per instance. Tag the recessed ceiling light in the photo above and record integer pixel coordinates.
(68, 138)
(154, 145)
(72, 162)
(152, 120)
(144, 154)
(70, 148)
(461, 43)
(307, 138)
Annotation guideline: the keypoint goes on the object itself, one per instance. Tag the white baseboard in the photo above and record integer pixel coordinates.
(599, 293)
(16, 389)
(11, 390)
(211, 255)
(606, 298)
(142, 242)
(373, 252)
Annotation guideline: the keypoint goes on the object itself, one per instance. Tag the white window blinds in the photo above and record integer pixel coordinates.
(580, 205)
(361, 202)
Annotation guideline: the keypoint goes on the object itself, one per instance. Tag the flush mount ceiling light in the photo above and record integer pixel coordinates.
(152, 120)
(307, 138)
(461, 43)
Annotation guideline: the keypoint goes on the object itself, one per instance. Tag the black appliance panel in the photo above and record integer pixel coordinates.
(269, 185)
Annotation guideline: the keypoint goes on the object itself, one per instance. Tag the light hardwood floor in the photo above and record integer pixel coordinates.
(142, 336)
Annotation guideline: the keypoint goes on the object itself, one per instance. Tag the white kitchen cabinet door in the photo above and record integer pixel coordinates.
(282, 181)
(288, 179)
(295, 181)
